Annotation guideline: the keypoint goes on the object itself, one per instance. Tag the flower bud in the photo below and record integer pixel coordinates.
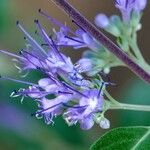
(102, 21)
(104, 123)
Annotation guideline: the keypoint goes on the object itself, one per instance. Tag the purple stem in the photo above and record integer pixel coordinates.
(99, 36)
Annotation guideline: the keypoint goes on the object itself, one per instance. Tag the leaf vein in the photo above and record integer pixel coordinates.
(141, 140)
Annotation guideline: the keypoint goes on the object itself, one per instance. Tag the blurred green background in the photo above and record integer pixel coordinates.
(20, 131)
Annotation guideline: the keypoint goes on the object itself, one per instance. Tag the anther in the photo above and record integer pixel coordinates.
(36, 21)
(39, 10)
(17, 22)
(15, 91)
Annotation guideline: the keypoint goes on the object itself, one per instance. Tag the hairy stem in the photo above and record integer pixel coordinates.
(99, 36)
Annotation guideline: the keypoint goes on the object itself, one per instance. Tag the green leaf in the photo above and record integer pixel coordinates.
(128, 138)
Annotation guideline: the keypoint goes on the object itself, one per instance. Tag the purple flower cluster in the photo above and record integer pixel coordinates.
(64, 89)
(127, 9)
(128, 6)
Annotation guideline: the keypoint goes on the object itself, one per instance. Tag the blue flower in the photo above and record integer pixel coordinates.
(65, 89)
(66, 37)
(75, 104)
(84, 65)
(79, 39)
(85, 110)
(49, 108)
(35, 57)
(128, 6)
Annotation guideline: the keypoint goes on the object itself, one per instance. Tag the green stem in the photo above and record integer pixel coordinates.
(139, 57)
(136, 50)
(111, 98)
(130, 107)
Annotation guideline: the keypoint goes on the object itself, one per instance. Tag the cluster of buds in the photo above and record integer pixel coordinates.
(124, 29)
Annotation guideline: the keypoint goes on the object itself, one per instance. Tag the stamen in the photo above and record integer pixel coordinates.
(56, 49)
(47, 38)
(126, 4)
(19, 81)
(55, 22)
(36, 58)
(66, 85)
(40, 61)
(14, 92)
(31, 40)
(40, 112)
(21, 53)
(62, 92)
(54, 79)
(76, 107)
(45, 44)
(100, 90)
(74, 39)
(32, 92)
(11, 54)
